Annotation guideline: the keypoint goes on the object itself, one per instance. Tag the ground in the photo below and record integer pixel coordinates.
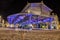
(11, 34)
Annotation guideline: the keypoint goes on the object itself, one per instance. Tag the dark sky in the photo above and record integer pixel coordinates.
(9, 7)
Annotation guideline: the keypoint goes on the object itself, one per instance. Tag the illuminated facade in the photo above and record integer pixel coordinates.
(34, 15)
(2, 22)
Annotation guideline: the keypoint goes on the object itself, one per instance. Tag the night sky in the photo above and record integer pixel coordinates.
(9, 7)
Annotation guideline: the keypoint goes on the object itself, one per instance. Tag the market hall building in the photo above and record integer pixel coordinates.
(34, 15)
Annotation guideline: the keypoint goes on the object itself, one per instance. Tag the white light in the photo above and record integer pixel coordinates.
(28, 11)
(52, 27)
(11, 25)
(30, 25)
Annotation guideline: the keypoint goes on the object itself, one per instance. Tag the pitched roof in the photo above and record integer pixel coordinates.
(41, 7)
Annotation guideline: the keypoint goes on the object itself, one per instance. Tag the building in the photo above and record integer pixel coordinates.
(2, 21)
(34, 15)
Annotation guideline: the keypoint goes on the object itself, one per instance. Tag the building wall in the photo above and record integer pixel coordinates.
(56, 21)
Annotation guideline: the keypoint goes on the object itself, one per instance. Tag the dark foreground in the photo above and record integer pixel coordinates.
(29, 35)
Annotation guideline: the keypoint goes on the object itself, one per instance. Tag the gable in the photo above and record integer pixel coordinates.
(37, 8)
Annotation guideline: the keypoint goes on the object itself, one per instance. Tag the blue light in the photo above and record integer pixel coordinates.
(31, 19)
(48, 20)
(11, 18)
(19, 19)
